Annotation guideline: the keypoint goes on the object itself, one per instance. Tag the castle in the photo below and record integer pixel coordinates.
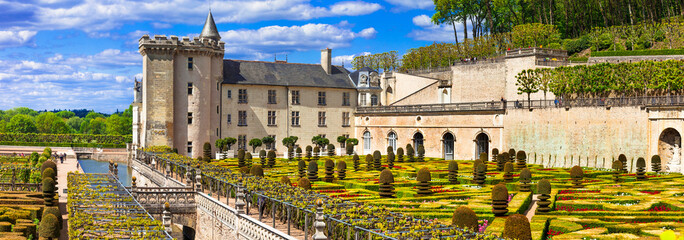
(191, 95)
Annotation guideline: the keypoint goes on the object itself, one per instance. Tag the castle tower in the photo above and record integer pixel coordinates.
(181, 84)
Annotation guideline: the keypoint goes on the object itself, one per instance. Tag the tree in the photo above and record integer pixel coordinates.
(21, 123)
(290, 141)
(255, 143)
(60, 127)
(341, 140)
(117, 125)
(66, 114)
(44, 121)
(268, 140)
(229, 142)
(447, 11)
(94, 115)
(75, 123)
(527, 83)
(97, 126)
(320, 141)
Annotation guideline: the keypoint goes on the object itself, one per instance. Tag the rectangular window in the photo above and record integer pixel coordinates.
(345, 99)
(242, 96)
(272, 145)
(230, 94)
(295, 118)
(271, 96)
(345, 119)
(189, 88)
(190, 62)
(189, 118)
(321, 119)
(189, 149)
(295, 97)
(228, 119)
(362, 97)
(242, 142)
(242, 118)
(271, 118)
(321, 98)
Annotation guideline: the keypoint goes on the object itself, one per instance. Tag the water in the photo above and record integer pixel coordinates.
(92, 166)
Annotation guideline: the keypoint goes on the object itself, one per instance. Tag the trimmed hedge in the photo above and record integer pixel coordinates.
(65, 138)
(646, 52)
(65, 144)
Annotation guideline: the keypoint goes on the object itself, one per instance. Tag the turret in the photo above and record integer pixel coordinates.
(210, 31)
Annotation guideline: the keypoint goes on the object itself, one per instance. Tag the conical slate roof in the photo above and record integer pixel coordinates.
(209, 30)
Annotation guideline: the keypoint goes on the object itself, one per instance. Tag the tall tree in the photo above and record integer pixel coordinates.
(447, 11)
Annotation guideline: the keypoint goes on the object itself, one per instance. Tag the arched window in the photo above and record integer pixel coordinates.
(374, 100)
(392, 141)
(366, 142)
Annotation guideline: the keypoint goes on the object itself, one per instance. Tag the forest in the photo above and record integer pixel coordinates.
(26, 120)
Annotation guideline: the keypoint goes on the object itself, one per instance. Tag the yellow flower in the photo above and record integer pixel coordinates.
(668, 235)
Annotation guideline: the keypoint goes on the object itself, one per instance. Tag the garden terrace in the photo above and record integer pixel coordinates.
(65, 140)
(601, 209)
(16, 174)
(100, 207)
(453, 107)
(293, 205)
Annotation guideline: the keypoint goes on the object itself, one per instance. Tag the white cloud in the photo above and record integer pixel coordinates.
(16, 38)
(158, 25)
(347, 59)
(412, 4)
(109, 58)
(266, 41)
(94, 15)
(431, 32)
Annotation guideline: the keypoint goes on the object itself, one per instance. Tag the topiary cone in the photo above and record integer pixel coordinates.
(400, 155)
(257, 171)
(483, 157)
(49, 189)
(465, 218)
(312, 171)
(423, 179)
(622, 158)
(453, 172)
(302, 168)
(377, 156)
(480, 174)
(525, 179)
(544, 189)
(499, 200)
(241, 157)
(511, 155)
(390, 160)
(655, 163)
(617, 170)
(517, 227)
(495, 154)
(271, 158)
(341, 169)
(522, 160)
(329, 167)
(262, 156)
(355, 158)
(369, 162)
(304, 183)
(508, 172)
(386, 180)
(577, 174)
(501, 161)
(641, 169)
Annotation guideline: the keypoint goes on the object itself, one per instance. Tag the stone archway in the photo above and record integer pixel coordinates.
(448, 142)
(666, 144)
(481, 144)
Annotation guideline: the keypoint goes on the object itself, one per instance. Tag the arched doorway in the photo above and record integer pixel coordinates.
(669, 142)
(417, 141)
(448, 141)
(366, 142)
(481, 144)
(392, 141)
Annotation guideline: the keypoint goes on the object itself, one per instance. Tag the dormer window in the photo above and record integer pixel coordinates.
(364, 79)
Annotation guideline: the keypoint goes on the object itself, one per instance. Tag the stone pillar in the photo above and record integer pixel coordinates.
(153, 164)
(166, 218)
(116, 170)
(134, 188)
(319, 223)
(198, 181)
(240, 201)
(188, 178)
(168, 170)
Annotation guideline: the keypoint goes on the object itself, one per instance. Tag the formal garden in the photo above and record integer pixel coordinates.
(573, 203)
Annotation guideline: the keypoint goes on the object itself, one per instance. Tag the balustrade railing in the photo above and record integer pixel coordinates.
(448, 107)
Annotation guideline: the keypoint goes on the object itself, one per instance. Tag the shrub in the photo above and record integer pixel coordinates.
(390, 159)
(641, 169)
(617, 169)
(377, 156)
(304, 183)
(248, 159)
(501, 161)
(285, 180)
(331, 150)
(423, 178)
(369, 162)
(257, 171)
(350, 149)
(409, 152)
(499, 200)
(400, 155)
(48, 164)
(544, 191)
(244, 170)
(299, 153)
(421, 153)
(329, 170)
(302, 168)
(508, 172)
(341, 169)
(207, 150)
(465, 218)
(49, 191)
(290, 152)
(357, 163)
(453, 172)
(316, 152)
(522, 157)
(480, 174)
(313, 171)
(271, 158)
(54, 211)
(49, 173)
(511, 155)
(495, 154)
(483, 157)
(622, 158)
(49, 227)
(241, 157)
(308, 152)
(262, 156)
(655, 163)
(386, 179)
(475, 163)
(576, 173)
(525, 179)
(517, 227)
(390, 149)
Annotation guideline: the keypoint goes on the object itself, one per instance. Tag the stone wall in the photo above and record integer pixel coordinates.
(406, 85)
(629, 59)
(148, 177)
(429, 94)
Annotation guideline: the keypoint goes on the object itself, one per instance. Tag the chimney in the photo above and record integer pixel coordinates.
(326, 60)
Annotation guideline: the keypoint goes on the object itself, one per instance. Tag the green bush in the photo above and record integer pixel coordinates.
(655, 163)
(453, 172)
(257, 171)
(262, 156)
(285, 180)
(483, 156)
(521, 156)
(301, 166)
(316, 152)
(641, 169)
(647, 52)
(313, 171)
(577, 174)
(508, 172)
(622, 158)
(271, 158)
(501, 161)
(304, 183)
(421, 153)
(357, 163)
(400, 155)
(390, 159)
(299, 153)
(495, 154)
(341, 169)
(465, 218)
(386, 176)
(369, 162)
(207, 150)
(544, 187)
(386, 179)
(350, 149)
(480, 174)
(423, 177)
(409, 152)
(525, 179)
(617, 169)
(67, 139)
(48, 164)
(331, 150)
(517, 227)
(499, 200)
(49, 227)
(329, 170)
(308, 152)
(576, 45)
(241, 157)
(54, 211)
(377, 156)
(511, 155)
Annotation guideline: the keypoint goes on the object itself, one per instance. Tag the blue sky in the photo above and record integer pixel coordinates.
(57, 54)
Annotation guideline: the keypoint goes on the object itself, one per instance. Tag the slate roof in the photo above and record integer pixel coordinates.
(355, 75)
(209, 30)
(284, 74)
